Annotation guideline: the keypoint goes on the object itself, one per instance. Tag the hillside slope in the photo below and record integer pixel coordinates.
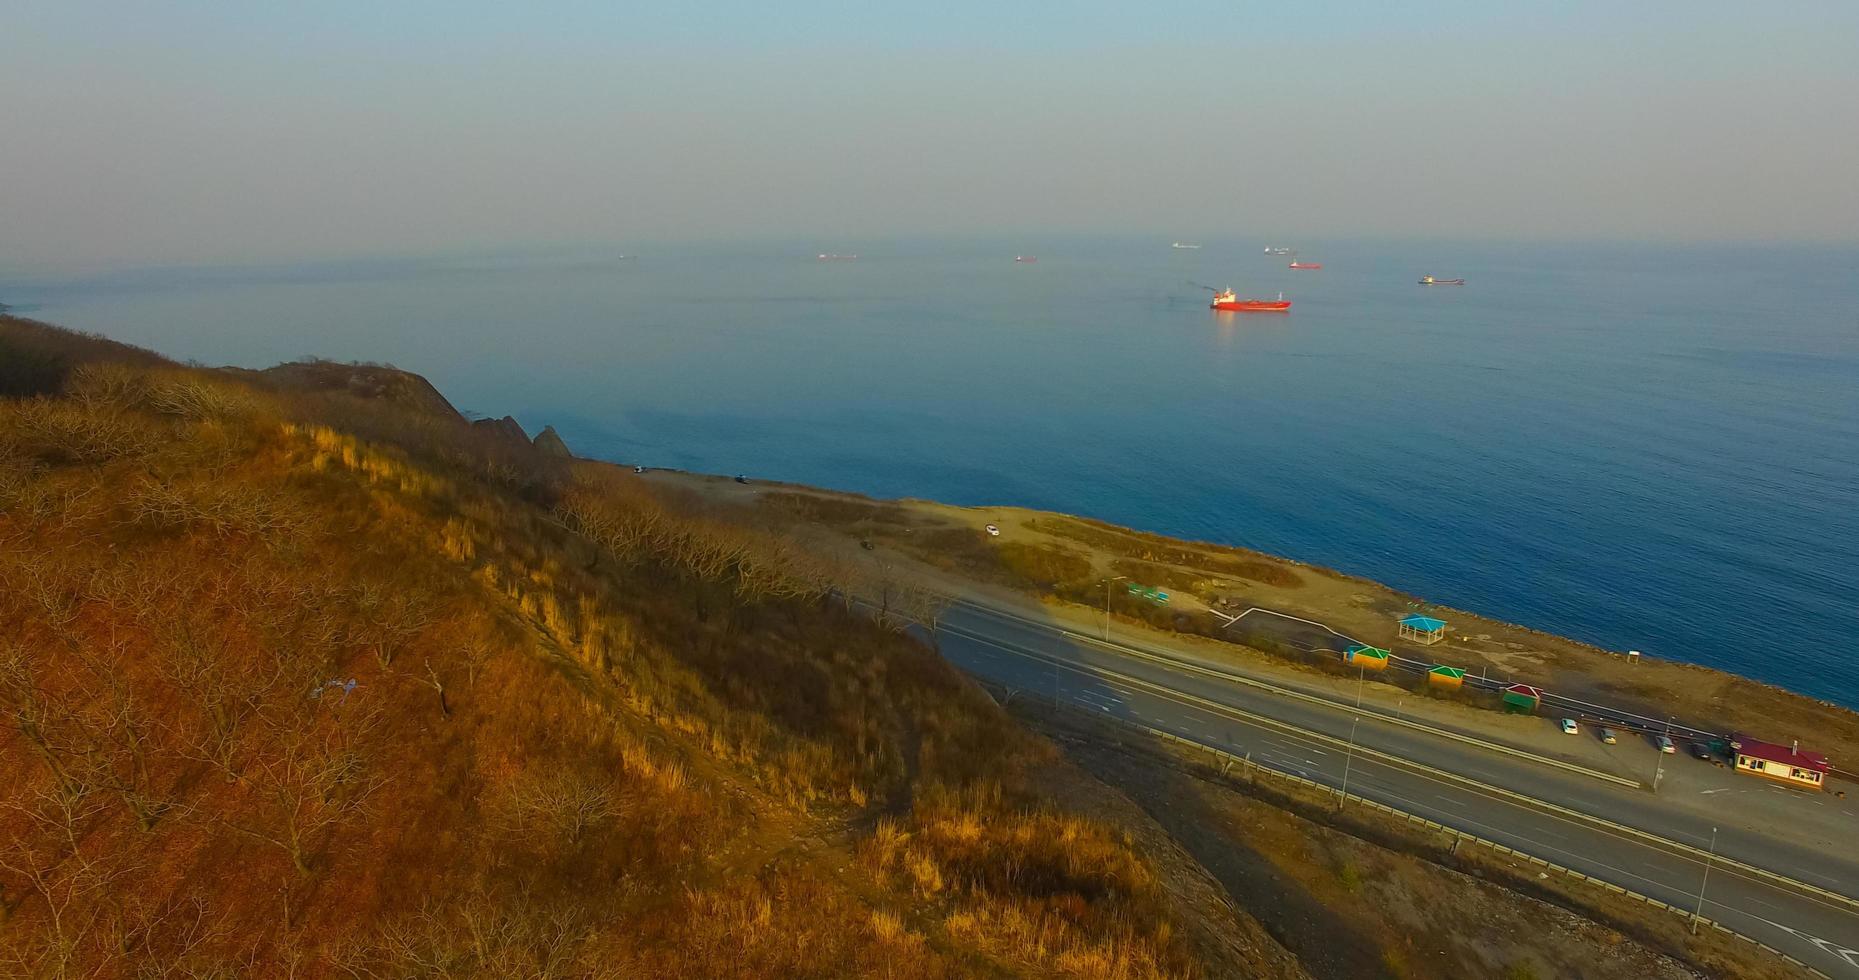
(304, 675)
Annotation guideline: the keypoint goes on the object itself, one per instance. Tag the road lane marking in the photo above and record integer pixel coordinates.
(1184, 664)
(1847, 956)
(1112, 678)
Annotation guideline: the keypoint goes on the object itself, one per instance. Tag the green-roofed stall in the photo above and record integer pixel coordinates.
(1446, 676)
(1366, 657)
(1522, 699)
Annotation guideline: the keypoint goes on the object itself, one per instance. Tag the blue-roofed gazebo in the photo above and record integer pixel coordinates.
(1422, 629)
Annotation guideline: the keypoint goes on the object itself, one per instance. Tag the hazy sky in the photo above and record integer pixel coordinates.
(158, 132)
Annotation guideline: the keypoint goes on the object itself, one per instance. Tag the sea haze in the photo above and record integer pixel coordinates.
(1642, 447)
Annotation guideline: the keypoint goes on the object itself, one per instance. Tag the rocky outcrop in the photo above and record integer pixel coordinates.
(549, 443)
(504, 428)
(376, 382)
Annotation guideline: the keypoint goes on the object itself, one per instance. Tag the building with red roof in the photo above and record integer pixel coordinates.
(1782, 763)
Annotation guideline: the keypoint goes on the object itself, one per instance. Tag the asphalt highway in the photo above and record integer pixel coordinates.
(1536, 809)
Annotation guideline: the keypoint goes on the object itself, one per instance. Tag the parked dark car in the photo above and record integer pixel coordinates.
(1701, 751)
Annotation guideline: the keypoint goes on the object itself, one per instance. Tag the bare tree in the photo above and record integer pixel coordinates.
(621, 518)
(315, 780)
(129, 739)
(226, 693)
(925, 607)
(49, 864)
(49, 721)
(169, 936)
(561, 801)
(437, 683)
(887, 588)
(475, 937)
(390, 618)
(477, 653)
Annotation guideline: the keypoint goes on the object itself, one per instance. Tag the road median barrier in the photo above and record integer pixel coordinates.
(1250, 768)
(1220, 673)
(1192, 700)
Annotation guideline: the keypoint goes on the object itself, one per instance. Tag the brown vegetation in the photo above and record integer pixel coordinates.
(1154, 548)
(1355, 894)
(310, 679)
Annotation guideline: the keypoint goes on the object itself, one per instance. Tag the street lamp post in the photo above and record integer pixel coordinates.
(1107, 583)
(1704, 881)
(1350, 757)
(1348, 761)
(1658, 771)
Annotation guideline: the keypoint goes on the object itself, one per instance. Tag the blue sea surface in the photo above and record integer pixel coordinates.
(1642, 447)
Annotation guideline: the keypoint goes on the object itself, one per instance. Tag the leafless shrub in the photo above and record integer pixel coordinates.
(221, 508)
(559, 802)
(60, 431)
(475, 938)
(169, 936)
(197, 398)
(107, 387)
(389, 618)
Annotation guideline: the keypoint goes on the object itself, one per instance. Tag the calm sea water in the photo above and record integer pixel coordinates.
(1650, 448)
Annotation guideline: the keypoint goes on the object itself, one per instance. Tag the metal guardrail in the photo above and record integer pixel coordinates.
(1489, 788)
(1229, 759)
(1585, 710)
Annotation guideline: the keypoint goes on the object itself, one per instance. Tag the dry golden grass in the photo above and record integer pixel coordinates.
(303, 683)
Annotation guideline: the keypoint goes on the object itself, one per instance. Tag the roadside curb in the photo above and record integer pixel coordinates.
(1543, 805)
(1460, 836)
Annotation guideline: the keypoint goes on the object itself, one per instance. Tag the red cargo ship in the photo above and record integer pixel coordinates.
(1231, 302)
(1306, 265)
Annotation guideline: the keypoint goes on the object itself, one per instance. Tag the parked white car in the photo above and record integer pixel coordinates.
(1665, 745)
(1569, 727)
(993, 532)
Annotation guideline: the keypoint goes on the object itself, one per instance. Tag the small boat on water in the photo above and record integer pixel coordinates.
(1278, 250)
(1182, 245)
(1229, 301)
(1026, 258)
(1306, 265)
(836, 257)
(1430, 281)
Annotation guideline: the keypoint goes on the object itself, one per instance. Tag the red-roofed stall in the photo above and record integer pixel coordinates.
(1782, 763)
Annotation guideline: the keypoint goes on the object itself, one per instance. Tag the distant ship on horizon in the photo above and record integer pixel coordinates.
(1183, 245)
(836, 257)
(1278, 250)
(1226, 300)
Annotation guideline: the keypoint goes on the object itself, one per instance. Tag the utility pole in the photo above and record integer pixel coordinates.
(1705, 881)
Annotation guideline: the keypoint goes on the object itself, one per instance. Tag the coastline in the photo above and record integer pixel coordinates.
(1695, 695)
